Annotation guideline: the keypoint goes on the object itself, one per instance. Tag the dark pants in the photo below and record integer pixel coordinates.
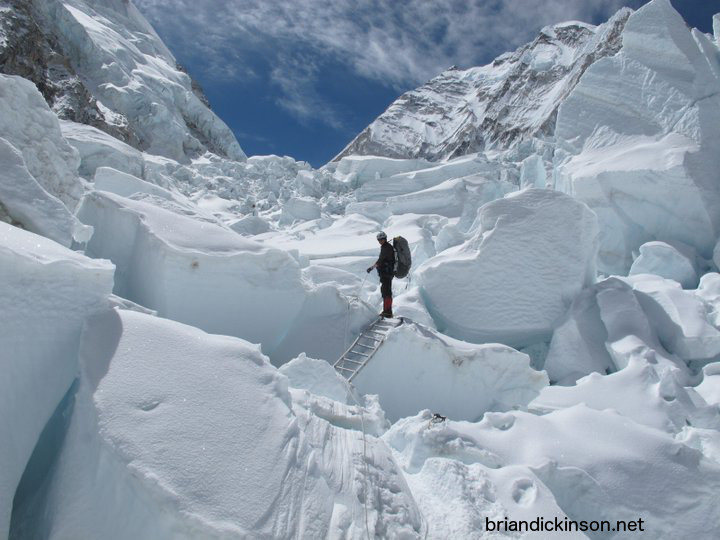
(386, 286)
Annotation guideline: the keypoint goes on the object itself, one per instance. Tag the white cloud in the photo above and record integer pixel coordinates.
(401, 43)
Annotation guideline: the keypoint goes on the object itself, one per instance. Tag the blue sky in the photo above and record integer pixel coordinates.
(303, 77)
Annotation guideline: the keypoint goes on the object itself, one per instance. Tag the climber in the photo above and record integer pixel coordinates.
(385, 266)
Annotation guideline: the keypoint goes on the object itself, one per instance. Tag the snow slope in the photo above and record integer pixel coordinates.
(46, 291)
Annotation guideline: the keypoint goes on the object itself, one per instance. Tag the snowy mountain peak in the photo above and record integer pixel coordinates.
(495, 106)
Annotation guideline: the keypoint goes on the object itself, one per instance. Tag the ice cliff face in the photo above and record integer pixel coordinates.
(100, 63)
(495, 106)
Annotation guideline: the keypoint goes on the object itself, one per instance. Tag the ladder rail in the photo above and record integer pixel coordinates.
(380, 324)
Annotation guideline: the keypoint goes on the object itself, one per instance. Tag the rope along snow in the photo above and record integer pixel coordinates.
(360, 408)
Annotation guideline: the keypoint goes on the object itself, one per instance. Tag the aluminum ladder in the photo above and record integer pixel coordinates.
(364, 347)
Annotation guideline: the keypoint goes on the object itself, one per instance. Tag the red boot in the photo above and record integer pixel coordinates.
(387, 307)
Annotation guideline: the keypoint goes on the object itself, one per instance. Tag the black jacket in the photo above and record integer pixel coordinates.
(386, 261)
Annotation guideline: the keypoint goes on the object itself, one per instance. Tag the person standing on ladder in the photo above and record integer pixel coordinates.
(385, 266)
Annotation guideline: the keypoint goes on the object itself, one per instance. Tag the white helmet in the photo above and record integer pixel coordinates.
(381, 236)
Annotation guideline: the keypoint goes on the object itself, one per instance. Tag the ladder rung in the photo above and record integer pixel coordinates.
(374, 332)
(366, 346)
(345, 369)
(353, 361)
(360, 353)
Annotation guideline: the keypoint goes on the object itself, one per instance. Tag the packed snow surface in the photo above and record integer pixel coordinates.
(46, 291)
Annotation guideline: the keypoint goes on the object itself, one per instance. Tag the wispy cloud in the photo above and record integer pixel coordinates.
(400, 43)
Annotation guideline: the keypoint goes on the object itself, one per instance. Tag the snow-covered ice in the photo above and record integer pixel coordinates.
(637, 138)
(596, 465)
(27, 123)
(638, 392)
(33, 208)
(98, 149)
(667, 261)
(618, 320)
(177, 433)
(201, 273)
(588, 145)
(529, 255)
(406, 373)
(46, 292)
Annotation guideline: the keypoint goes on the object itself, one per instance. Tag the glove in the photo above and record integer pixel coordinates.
(369, 269)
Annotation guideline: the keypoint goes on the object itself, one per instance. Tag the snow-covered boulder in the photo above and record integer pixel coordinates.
(597, 465)
(28, 124)
(29, 205)
(46, 292)
(299, 209)
(98, 149)
(637, 138)
(528, 256)
(667, 261)
(181, 434)
(133, 74)
(417, 368)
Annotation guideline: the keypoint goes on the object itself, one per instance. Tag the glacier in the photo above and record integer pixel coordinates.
(172, 309)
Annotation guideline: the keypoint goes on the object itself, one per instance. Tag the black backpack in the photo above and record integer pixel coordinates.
(403, 259)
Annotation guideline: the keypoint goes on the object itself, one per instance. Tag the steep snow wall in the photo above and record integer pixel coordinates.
(46, 292)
